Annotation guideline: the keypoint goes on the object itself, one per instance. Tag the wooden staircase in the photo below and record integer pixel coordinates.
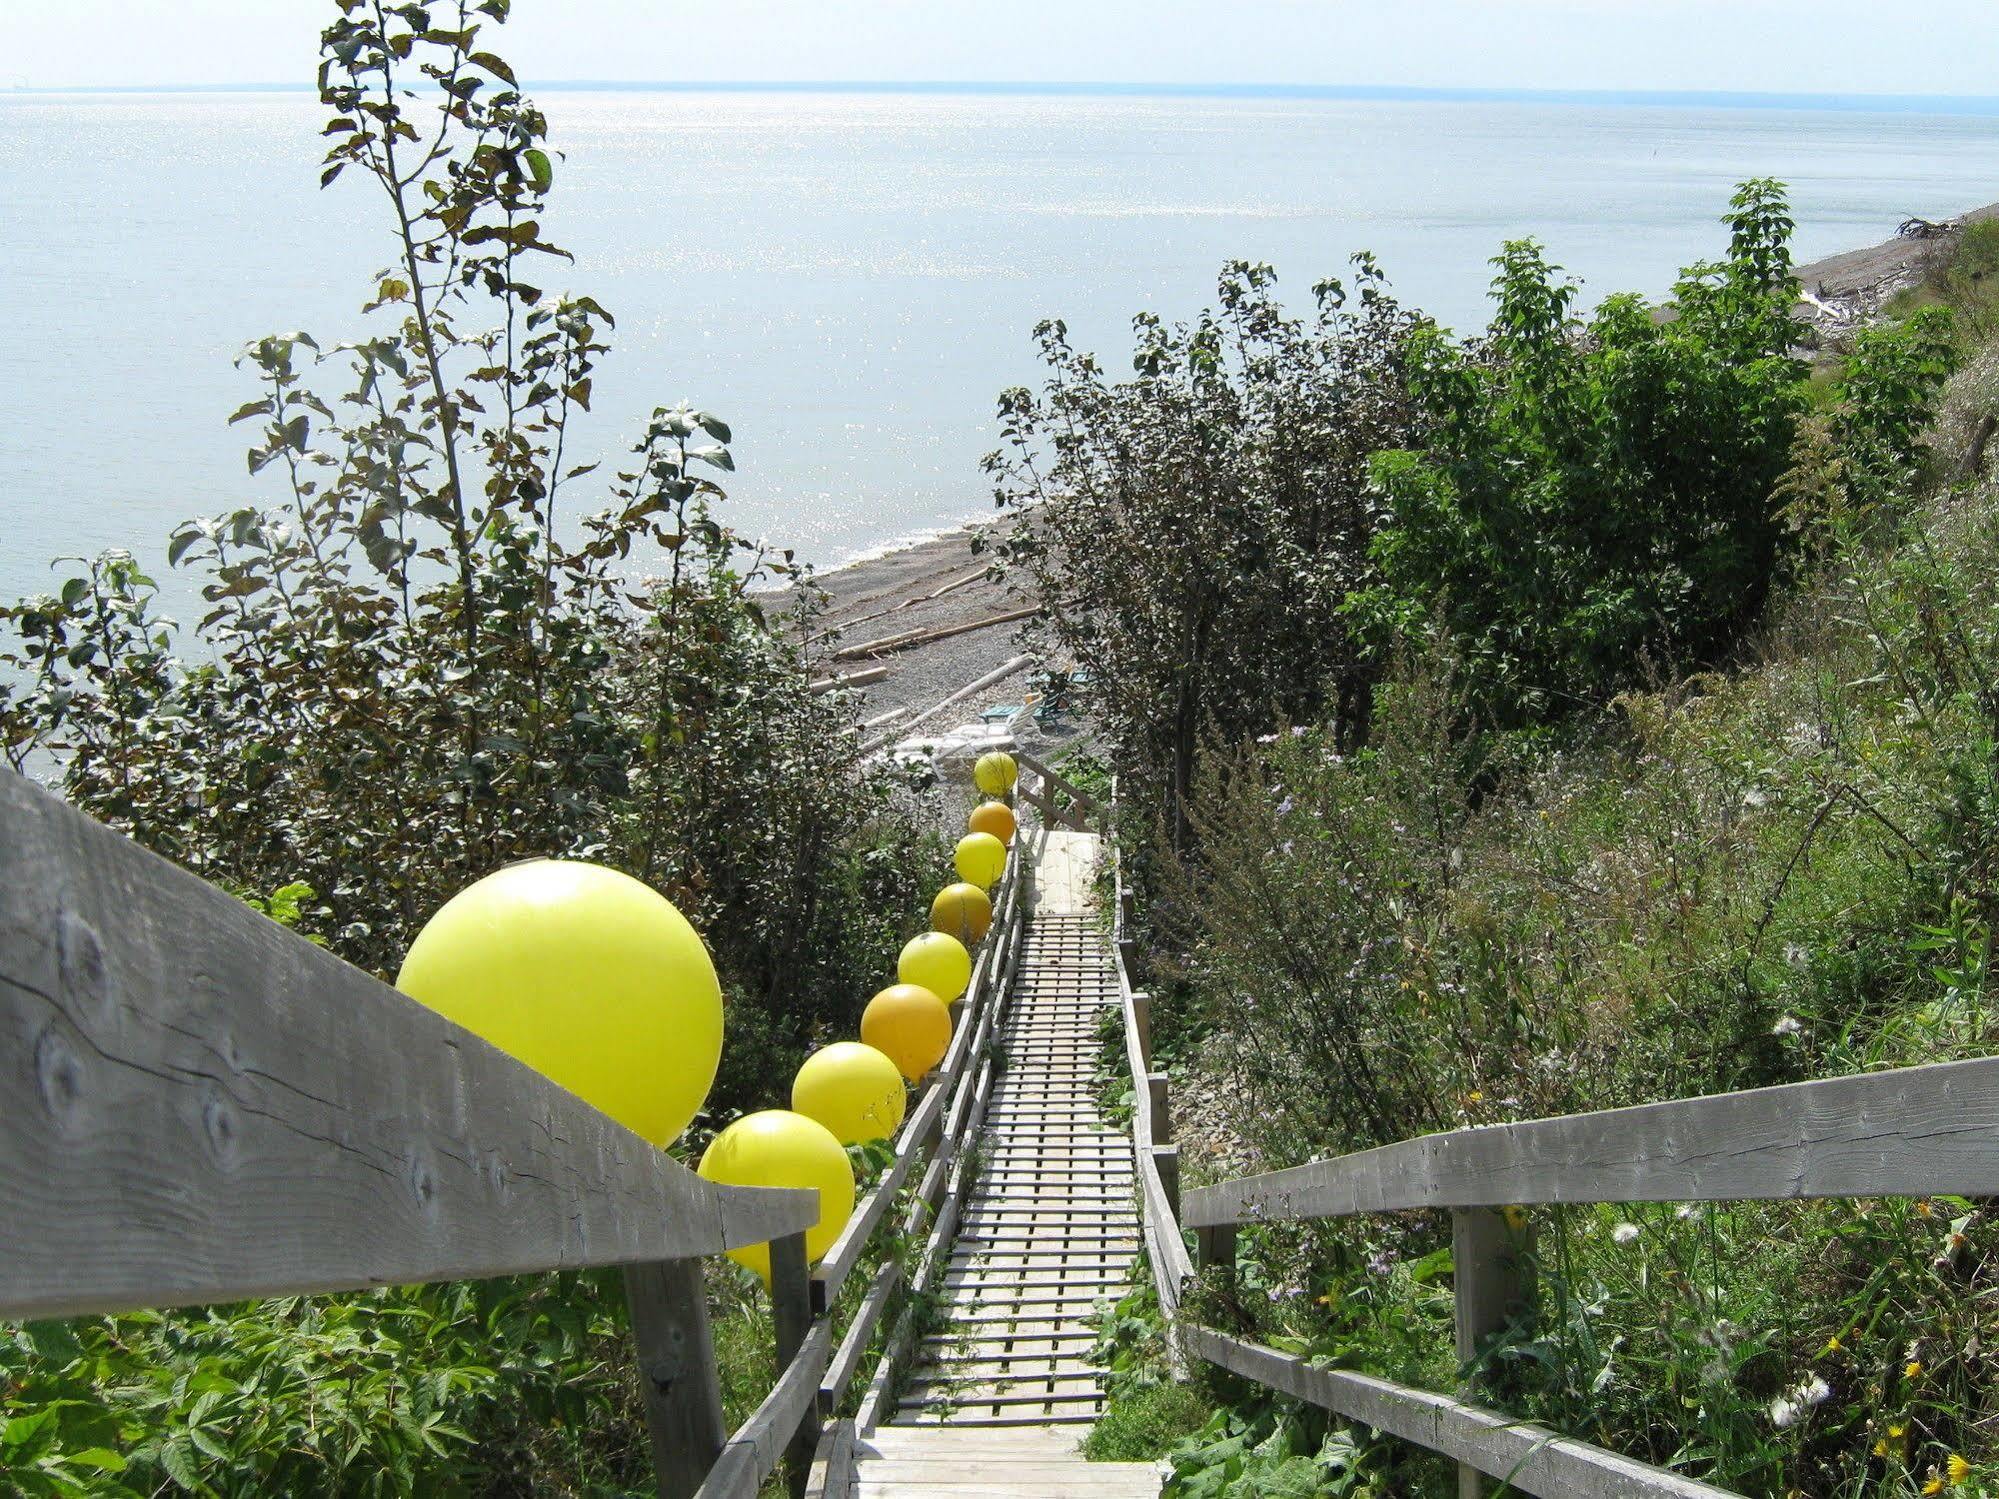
(997, 1399)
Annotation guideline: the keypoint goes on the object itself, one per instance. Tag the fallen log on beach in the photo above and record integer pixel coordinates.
(891, 643)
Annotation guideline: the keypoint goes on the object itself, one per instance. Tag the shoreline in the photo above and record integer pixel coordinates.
(944, 625)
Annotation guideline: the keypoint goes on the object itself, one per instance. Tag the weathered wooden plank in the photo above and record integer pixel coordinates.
(203, 1106)
(847, 1360)
(1492, 1282)
(1532, 1459)
(753, 1452)
(791, 1316)
(1913, 1131)
(834, 1470)
(678, 1377)
(847, 1249)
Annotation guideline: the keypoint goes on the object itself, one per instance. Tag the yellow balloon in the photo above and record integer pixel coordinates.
(995, 818)
(586, 975)
(852, 1089)
(995, 773)
(962, 911)
(937, 962)
(778, 1148)
(981, 859)
(910, 1026)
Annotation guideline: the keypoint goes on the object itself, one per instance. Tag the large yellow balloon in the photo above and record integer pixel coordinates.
(910, 1026)
(995, 818)
(586, 975)
(962, 911)
(778, 1148)
(937, 962)
(981, 859)
(995, 773)
(852, 1089)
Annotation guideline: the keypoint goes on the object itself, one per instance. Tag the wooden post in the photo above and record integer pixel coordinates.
(1167, 1159)
(1494, 1281)
(683, 1394)
(1155, 1102)
(791, 1311)
(1215, 1245)
(1141, 1014)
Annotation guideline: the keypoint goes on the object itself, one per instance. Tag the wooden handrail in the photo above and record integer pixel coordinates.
(1920, 1130)
(203, 1106)
(1530, 1458)
(812, 1384)
(1912, 1131)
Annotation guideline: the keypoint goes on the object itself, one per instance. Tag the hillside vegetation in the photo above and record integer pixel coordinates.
(1652, 754)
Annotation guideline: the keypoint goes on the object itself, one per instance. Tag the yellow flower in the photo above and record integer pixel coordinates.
(1934, 1486)
(1515, 1216)
(1958, 1468)
(1477, 1095)
(1914, 1370)
(1923, 1210)
(1833, 1344)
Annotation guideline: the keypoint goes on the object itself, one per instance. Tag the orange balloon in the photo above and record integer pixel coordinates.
(910, 1026)
(995, 818)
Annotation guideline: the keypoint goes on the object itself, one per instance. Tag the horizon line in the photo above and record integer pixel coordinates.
(1713, 98)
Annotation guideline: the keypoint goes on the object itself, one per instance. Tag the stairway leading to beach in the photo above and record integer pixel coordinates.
(999, 1397)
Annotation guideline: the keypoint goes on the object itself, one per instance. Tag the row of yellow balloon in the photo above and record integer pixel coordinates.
(596, 980)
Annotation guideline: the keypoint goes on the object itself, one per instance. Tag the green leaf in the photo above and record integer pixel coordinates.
(101, 1458)
(539, 168)
(497, 66)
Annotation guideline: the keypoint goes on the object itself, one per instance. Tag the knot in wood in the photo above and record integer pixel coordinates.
(59, 1075)
(85, 977)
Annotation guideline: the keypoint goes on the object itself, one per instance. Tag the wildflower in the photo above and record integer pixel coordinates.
(1298, 731)
(1625, 1233)
(1924, 1210)
(1284, 807)
(1833, 1344)
(1935, 1485)
(1796, 1403)
(1266, 739)
(1515, 1216)
(1958, 1469)
(1914, 1370)
(1892, 1444)
(1381, 1261)
(1788, 1025)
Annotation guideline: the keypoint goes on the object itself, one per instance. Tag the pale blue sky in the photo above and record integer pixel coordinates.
(1826, 46)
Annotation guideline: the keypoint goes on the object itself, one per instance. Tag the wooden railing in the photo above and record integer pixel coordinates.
(932, 1140)
(1915, 1131)
(201, 1106)
(1040, 787)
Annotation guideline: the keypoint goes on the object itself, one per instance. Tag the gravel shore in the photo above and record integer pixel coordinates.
(932, 586)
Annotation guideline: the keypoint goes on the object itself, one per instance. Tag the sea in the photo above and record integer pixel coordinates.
(848, 276)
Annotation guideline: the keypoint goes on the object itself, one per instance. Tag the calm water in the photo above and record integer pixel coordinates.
(848, 278)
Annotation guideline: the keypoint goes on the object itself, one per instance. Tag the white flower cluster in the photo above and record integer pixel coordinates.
(1797, 1402)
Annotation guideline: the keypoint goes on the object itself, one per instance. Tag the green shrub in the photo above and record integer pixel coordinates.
(1734, 879)
(1195, 531)
(1584, 496)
